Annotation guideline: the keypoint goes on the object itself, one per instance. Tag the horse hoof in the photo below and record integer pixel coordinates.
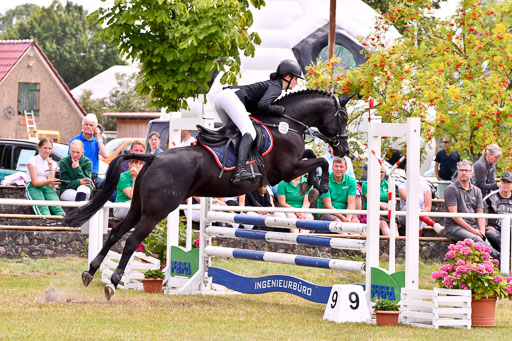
(313, 195)
(303, 188)
(86, 278)
(110, 290)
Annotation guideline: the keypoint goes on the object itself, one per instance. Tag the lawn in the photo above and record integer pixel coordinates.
(45, 300)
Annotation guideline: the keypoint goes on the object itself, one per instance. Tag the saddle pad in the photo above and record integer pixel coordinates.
(218, 152)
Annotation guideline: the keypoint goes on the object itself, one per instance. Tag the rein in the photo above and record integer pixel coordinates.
(340, 130)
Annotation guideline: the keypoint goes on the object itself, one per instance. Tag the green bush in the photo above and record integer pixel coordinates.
(383, 304)
(157, 273)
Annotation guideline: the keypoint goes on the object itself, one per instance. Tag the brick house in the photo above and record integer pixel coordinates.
(28, 81)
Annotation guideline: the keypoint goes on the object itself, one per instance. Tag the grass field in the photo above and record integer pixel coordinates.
(45, 300)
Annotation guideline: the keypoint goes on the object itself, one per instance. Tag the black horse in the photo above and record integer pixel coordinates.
(168, 178)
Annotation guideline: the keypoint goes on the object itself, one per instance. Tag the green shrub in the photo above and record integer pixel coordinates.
(383, 304)
(157, 273)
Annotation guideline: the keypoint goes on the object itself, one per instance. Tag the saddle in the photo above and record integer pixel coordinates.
(223, 144)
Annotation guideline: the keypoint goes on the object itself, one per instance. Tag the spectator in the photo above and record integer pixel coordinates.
(341, 195)
(464, 197)
(41, 179)
(485, 169)
(499, 202)
(125, 186)
(196, 214)
(154, 143)
(384, 221)
(445, 166)
(187, 139)
(262, 197)
(136, 147)
(75, 174)
(93, 144)
(288, 196)
(425, 198)
(330, 158)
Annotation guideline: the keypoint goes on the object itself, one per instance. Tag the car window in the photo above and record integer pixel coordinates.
(5, 156)
(126, 148)
(113, 145)
(21, 156)
(61, 150)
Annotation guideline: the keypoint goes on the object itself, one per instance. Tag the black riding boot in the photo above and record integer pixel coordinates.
(241, 174)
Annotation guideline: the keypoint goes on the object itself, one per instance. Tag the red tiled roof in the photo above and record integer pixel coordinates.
(11, 51)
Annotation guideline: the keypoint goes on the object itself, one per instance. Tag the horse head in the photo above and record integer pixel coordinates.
(323, 111)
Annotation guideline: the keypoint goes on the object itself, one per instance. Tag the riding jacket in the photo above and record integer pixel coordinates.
(258, 97)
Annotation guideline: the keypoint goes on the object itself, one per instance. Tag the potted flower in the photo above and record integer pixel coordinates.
(471, 267)
(152, 281)
(386, 312)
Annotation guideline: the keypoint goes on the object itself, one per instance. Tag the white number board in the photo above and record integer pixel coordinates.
(347, 303)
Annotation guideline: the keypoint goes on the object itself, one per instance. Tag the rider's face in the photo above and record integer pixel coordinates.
(293, 82)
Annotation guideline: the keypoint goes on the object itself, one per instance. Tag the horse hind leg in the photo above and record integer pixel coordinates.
(115, 234)
(142, 230)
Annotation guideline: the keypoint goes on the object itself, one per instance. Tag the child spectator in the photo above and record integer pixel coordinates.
(288, 196)
(75, 174)
(41, 179)
(125, 186)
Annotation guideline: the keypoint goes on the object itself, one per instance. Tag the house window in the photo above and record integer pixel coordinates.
(28, 98)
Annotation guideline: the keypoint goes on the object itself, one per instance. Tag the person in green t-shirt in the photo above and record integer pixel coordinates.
(125, 186)
(288, 196)
(384, 221)
(341, 195)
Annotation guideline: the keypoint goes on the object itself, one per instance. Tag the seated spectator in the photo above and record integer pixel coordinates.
(263, 197)
(384, 221)
(125, 186)
(485, 169)
(75, 174)
(288, 196)
(425, 199)
(154, 143)
(341, 195)
(445, 166)
(498, 202)
(329, 156)
(136, 147)
(41, 179)
(196, 214)
(464, 197)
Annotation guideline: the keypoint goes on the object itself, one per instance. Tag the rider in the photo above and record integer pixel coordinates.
(236, 102)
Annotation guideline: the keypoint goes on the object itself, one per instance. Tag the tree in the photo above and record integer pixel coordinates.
(455, 74)
(15, 15)
(67, 38)
(180, 44)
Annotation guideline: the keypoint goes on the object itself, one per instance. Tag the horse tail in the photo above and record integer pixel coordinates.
(80, 216)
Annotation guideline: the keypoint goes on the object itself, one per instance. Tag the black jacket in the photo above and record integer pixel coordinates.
(258, 97)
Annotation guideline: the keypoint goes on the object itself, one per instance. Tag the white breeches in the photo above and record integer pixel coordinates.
(70, 194)
(229, 107)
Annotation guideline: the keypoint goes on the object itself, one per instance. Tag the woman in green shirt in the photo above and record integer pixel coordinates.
(288, 196)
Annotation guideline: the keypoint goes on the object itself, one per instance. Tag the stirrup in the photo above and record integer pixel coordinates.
(244, 176)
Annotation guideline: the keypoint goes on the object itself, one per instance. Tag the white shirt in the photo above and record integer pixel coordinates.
(188, 142)
(41, 166)
(423, 188)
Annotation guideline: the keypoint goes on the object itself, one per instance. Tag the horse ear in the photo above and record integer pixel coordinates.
(346, 98)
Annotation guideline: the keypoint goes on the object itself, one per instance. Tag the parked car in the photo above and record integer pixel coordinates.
(117, 146)
(15, 153)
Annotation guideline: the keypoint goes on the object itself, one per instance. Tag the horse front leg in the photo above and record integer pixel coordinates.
(310, 165)
(312, 177)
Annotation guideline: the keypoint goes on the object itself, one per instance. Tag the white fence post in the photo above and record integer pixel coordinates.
(505, 246)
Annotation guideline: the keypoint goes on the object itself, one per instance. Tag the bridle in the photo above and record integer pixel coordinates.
(341, 133)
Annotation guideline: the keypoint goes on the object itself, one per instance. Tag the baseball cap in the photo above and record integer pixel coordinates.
(507, 176)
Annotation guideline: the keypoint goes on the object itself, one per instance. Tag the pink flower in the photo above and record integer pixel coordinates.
(457, 247)
(479, 246)
(457, 276)
(495, 262)
(498, 279)
(460, 262)
(461, 269)
(446, 267)
(466, 250)
(509, 289)
(509, 279)
(451, 247)
(447, 282)
(486, 255)
(487, 249)
(460, 243)
(464, 286)
(480, 269)
(450, 254)
(469, 242)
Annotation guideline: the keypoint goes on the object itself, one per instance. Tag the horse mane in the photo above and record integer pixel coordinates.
(303, 92)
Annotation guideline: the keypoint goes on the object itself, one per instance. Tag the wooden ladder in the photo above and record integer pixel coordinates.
(30, 121)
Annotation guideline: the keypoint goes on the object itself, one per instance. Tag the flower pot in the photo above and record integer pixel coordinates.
(387, 318)
(482, 311)
(153, 285)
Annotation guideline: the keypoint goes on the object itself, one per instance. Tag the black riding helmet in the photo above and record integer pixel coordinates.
(286, 67)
